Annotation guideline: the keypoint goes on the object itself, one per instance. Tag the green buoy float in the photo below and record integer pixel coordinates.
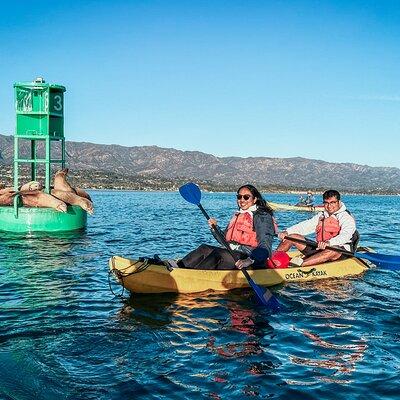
(39, 120)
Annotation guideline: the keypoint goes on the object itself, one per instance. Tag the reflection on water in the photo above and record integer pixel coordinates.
(33, 271)
(330, 350)
(64, 335)
(341, 362)
(241, 320)
(152, 310)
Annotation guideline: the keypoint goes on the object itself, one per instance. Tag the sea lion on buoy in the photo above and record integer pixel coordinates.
(82, 193)
(36, 198)
(32, 185)
(60, 181)
(7, 196)
(73, 199)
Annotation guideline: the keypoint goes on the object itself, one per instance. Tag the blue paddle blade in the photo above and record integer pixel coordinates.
(382, 260)
(191, 193)
(264, 295)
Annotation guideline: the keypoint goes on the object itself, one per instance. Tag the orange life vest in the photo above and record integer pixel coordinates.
(327, 228)
(240, 230)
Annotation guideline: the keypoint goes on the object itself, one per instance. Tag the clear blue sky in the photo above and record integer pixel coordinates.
(316, 79)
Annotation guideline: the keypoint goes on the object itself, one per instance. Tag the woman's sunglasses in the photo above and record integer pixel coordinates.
(244, 196)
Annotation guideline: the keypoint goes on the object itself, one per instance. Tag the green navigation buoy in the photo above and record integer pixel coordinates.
(39, 120)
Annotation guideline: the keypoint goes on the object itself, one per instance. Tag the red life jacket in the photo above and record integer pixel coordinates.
(327, 228)
(240, 230)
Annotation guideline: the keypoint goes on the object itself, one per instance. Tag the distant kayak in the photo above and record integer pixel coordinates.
(289, 207)
(141, 276)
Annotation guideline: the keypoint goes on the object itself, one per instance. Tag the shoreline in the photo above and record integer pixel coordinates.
(102, 180)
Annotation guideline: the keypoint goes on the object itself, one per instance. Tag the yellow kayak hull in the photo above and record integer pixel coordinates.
(289, 207)
(142, 277)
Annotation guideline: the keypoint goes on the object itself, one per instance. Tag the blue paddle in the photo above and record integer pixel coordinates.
(192, 194)
(382, 260)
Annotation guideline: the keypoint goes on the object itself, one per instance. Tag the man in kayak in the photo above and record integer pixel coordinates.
(301, 201)
(309, 200)
(249, 234)
(334, 226)
(306, 201)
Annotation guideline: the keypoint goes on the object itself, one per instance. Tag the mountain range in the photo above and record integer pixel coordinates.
(171, 164)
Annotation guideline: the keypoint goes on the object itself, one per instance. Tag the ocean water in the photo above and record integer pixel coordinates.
(64, 335)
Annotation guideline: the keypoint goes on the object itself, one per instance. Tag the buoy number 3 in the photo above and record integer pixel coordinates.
(57, 103)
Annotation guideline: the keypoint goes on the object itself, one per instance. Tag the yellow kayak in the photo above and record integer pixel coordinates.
(143, 277)
(289, 207)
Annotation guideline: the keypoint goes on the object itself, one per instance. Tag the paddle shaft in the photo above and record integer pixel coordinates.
(383, 260)
(315, 244)
(218, 233)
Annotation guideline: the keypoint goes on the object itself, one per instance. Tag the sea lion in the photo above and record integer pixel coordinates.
(82, 193)
(60, 181)
(7, 196)
(74, 199)
(36, 198)
(32, 185)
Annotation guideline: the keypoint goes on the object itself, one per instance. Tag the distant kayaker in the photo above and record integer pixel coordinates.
(300, 202)
(249, 234)
(309, 200)
(306, 201)
(334, 226)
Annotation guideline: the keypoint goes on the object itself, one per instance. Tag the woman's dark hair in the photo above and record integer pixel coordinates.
(261, 203)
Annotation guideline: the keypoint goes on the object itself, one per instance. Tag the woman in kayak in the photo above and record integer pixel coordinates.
(249, 234)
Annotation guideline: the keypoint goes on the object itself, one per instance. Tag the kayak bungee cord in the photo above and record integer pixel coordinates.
(120, 274)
